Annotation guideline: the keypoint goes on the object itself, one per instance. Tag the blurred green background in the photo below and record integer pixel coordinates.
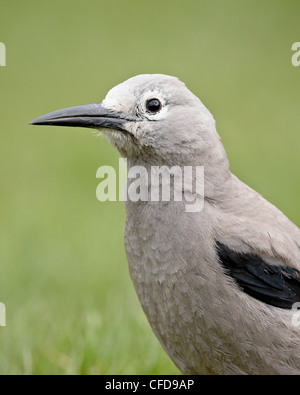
(71, 307)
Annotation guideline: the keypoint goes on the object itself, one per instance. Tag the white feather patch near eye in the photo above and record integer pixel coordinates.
(120, 100)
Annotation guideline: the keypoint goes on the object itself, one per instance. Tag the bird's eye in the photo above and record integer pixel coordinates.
(153, 105)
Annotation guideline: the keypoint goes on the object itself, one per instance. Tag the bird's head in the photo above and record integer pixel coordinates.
(147, 118)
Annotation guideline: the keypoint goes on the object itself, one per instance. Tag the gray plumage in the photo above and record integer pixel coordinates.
(209, 319)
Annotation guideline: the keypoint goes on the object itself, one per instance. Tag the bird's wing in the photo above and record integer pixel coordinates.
(259, 247)
(278, 286)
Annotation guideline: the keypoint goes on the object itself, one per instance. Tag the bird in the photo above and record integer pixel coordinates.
(220, 286)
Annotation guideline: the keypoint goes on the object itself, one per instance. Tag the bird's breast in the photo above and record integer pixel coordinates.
(164, 266)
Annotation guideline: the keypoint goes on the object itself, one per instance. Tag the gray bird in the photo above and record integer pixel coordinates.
(218, 285)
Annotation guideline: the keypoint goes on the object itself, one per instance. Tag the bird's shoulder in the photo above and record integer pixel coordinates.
(249, 223)
(258, 246)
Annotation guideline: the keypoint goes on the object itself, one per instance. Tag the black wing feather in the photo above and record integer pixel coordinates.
(277, 286)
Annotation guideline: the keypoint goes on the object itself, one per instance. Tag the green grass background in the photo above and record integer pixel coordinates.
(71, 307)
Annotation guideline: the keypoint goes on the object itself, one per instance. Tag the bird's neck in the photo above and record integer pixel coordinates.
(213, 162)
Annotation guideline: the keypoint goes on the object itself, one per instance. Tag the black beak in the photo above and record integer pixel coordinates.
(87, 116)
